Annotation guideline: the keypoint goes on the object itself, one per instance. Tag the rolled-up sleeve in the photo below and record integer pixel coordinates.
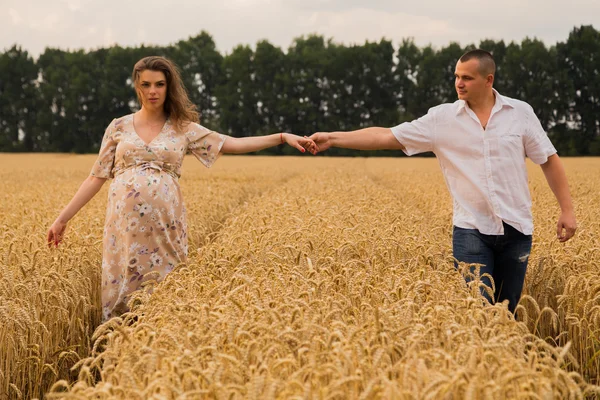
(417, 136)
(538, 146)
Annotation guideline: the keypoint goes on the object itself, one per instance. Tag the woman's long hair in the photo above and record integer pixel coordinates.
(178, 107)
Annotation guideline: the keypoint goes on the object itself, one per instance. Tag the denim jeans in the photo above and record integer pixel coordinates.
(504, 257)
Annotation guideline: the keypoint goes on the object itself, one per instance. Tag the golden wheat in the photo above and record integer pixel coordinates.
(308, 278)
(49, 299)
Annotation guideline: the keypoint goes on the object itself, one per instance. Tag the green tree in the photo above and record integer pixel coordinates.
(530, 72)
(201, 71)
(271, 77)
(237, 94)
(405, 76)
(579, 58)
(65, 99)
(18, 100)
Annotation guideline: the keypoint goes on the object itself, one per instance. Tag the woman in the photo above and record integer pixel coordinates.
(145, 228)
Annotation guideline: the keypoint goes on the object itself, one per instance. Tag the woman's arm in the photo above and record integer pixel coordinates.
(243, 145)
(88, 189)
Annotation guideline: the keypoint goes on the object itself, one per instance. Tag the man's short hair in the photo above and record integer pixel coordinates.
(487, 65)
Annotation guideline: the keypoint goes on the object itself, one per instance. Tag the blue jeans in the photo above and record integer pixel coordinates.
(504, 257)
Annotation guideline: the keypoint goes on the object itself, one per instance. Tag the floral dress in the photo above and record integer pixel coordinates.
(145, 228)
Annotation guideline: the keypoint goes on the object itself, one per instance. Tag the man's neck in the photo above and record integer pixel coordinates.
(484, 104)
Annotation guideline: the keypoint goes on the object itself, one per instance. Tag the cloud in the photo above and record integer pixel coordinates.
(108, 40)
(15, 16)
(74, 24)
(73, 5)
(360, 24)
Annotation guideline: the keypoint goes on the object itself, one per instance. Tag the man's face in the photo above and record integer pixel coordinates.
(470, 84)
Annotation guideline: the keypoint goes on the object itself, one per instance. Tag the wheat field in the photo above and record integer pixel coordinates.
(308, 278)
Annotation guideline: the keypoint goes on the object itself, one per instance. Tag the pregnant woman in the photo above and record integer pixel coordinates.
(145, 228)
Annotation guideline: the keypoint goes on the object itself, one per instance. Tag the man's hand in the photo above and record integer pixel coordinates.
(320, 142)
(566, 226)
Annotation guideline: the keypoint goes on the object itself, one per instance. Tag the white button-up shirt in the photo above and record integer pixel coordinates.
(484, 169)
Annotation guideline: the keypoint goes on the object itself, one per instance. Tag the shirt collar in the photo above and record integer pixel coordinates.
(500, 102)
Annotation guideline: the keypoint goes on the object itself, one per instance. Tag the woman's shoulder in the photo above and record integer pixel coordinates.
(120, 122)
(192, 129)
(190, 126)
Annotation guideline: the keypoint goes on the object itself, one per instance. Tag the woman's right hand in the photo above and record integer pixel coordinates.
(56, 232)
(299, 142)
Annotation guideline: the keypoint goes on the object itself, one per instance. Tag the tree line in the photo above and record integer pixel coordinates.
(63, 101)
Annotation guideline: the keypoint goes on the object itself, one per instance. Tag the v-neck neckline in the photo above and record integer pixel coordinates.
(154, 138)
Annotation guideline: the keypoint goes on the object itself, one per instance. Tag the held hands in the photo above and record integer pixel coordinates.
(301, 143)
(56, 233)
(318, 142)
(566, 226)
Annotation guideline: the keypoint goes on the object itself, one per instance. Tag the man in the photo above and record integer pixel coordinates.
(480, 141)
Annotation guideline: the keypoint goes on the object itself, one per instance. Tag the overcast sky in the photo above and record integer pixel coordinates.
(73, 24)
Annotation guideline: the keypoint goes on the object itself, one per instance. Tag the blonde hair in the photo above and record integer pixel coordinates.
(178, 107)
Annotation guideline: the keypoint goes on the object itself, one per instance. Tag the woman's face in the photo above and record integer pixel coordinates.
(152, 87)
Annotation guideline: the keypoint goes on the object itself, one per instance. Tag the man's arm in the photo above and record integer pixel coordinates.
(557, 180)
(373, 138)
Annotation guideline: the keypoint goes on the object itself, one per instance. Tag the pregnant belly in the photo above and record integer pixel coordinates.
(145, 201)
